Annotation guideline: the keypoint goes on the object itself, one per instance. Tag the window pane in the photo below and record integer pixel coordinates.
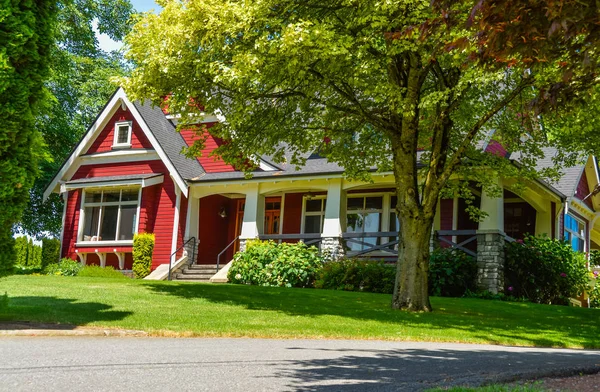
(372, 222)
(129, 195)
(312, 224)
(127, 224)
(90, 224)
(374, 203)
(314, 205)
(355, 203)
(111, 196)
(108, 228)
(93, 196)
(123, 134)
(394, 223)
(393, 202)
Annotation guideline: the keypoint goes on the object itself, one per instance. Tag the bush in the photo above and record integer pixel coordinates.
(25, 270)
(66, 267)
(7, 253)
(143, 247)
(544, 270)
(374, 276)
(452, 273)
(594, 290)
(50, 251)
(266, 263)
(95, 271)
(4, 301)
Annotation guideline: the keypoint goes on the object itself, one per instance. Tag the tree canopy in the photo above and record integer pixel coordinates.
(406, 86)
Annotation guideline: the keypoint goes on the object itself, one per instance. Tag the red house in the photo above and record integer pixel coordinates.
(128, 175)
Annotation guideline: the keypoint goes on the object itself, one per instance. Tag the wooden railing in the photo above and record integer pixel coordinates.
(452, 238)
(384, 243)
(308, 239)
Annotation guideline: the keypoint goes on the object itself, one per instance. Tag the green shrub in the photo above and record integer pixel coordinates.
(66, 267)
(266, 263)
(95, 271)
(594, 258)
(26, 270)
(7, 253)
(452, 273)
(50, 251)
(544, 270)
(143, 247)
(4, 301)
(374, 276)
(594, 290)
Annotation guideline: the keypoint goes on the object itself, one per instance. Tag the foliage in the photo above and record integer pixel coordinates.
(143, 247)
(66, 267)
(594, 290)
(26, 36)
(365, 83)
(50, 251)
(451, 273)
(595, 258)
(27, 253)
(373, 276)
(544, 270)
(95, 271)
(25, 270)
(266, 263)
(4, 301)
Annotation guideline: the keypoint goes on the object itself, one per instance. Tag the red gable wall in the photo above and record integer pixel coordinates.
(210, 164)
(496, 148)
(583, 189)
(104, 141)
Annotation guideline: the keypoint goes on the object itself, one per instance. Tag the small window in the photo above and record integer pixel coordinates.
(575, 232)
(122, 134)
(314, 215)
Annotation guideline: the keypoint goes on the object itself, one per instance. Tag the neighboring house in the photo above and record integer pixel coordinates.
(128, 175)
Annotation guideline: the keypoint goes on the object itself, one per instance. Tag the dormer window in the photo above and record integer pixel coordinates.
(122, 134)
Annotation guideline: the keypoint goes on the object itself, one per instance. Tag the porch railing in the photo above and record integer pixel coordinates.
(452, 238)
(173, 258)
(223, 252)
(308, 238)
(384, 243)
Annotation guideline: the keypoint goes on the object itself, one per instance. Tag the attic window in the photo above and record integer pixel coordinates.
(122, 134)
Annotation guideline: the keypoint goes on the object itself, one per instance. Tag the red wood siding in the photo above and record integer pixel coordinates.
(70, 225)
(156, 210)
(496, 148)
(583, 189)
(104, 141)
(210, 164)
(446, 212)
(213, 230)
(292, 213)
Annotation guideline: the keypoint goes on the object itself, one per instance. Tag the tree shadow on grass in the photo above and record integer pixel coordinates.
(414, 369)
(54, 313)
(510, 323)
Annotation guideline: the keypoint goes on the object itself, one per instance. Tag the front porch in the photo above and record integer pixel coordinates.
(352, 219)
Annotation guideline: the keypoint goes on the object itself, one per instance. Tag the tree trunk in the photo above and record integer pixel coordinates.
(411, 287)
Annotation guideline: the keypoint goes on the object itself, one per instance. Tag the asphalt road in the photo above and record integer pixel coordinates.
(164, 364)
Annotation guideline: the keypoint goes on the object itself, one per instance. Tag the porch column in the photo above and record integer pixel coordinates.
(332, 245)
(192, 223)
(254, 215)
(543, 220)
(490, 243)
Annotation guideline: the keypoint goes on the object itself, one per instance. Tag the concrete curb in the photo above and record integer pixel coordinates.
(41, 329)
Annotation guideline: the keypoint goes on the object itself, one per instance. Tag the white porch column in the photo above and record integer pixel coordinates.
(65, 197)
(490, 243)
(192, 225)
(175, 224)
(331, 243)
(254, 215)
(543, 220)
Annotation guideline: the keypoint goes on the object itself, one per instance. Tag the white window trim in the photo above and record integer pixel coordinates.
(312, 213)
(578, 235)
(83, 205)
(116, 134)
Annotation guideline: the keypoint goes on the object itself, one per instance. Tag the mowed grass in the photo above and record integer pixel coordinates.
(193, 309)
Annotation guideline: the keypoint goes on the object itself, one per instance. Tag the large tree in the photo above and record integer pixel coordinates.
(80, 82)
(406, 86)
(26, 39)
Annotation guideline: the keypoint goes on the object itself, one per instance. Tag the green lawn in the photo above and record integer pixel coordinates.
(190, 309)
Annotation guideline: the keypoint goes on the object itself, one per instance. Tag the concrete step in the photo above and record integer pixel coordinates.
(193, 277)
(203, 267)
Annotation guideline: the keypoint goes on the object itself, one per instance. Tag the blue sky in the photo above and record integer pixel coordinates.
(141, 6)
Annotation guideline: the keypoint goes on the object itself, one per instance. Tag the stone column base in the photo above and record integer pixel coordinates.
(490, 260)
(332, 248)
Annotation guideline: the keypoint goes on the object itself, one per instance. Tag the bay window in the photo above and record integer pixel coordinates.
(575, 232)
(109, 215)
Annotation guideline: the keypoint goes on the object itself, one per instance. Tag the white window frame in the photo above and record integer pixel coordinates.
(116, 134)
(321, 213)
(102, 204)
(581, 236)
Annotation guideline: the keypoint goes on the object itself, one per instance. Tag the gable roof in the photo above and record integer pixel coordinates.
(163, 138)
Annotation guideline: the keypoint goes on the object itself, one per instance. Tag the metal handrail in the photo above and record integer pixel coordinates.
(174, 254)
(225, 250)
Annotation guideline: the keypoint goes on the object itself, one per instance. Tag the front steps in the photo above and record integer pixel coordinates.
(196, 273)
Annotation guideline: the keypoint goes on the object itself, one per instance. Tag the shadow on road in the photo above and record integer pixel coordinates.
(418, 369)
(40, 309)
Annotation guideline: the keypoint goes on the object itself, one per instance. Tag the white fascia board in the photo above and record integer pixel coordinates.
(90, 136)
(120, 156)
(143, 182)
(161, 153)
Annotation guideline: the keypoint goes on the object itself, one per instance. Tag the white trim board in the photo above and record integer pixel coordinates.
(143, 182)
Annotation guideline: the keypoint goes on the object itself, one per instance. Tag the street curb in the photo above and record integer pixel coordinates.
(543, 374)
(41, 329)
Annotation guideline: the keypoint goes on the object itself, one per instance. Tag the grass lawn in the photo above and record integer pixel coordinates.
(192, 309)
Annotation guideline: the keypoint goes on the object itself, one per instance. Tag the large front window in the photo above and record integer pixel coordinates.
(363, 215)
(110, 215)
(575, 232)
(314, 214)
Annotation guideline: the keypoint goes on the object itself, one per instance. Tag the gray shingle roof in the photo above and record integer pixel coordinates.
(169, 139)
